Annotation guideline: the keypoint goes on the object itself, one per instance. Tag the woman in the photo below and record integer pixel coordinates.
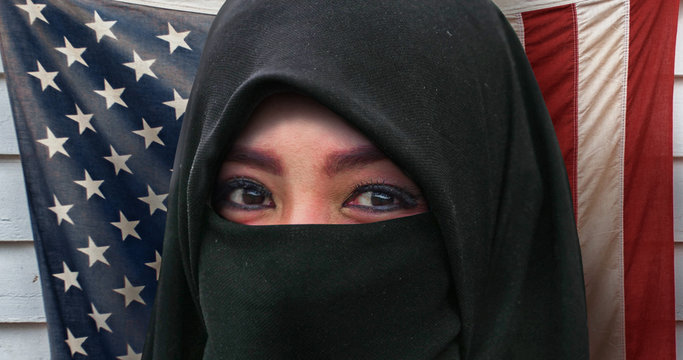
(443, 90)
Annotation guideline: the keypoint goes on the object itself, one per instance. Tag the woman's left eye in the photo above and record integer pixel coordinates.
(380, 198)
(243, 194)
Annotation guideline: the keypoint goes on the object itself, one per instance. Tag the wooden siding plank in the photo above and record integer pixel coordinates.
(15, 223)
(678, 200)
(678, 266)
(8, 137)
(20, 293)
(24, 341)
(678, 65)
(678, 115)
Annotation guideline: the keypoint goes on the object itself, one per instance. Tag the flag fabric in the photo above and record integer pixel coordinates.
(605, 68)
(98, 90)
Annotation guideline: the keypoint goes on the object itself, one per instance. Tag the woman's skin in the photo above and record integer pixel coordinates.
(297, 162)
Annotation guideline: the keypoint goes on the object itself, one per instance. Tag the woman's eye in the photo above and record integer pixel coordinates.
(380, 198)
(372, 198)
(244, 194)
(247, 196)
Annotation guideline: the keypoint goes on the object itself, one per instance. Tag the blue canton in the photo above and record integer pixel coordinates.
(98, 92)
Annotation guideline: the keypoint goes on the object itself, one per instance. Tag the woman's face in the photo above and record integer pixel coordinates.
(297, 162)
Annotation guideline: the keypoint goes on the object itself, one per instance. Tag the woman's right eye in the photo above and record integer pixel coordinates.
(244, 194)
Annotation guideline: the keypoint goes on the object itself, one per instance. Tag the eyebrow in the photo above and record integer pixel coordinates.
(334, 163)
(355, 158)
(257, 158)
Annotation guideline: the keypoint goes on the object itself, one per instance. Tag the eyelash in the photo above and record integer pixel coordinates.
(406, 200)
(222, 196)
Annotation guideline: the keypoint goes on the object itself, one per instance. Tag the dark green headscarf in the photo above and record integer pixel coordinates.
(444, 89)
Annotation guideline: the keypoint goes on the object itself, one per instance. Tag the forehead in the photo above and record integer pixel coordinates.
(295, 120)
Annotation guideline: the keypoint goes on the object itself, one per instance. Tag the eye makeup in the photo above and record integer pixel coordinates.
(242, 193)
(380, 197)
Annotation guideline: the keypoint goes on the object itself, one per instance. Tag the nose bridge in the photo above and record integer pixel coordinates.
(306, 200)
(307, 212)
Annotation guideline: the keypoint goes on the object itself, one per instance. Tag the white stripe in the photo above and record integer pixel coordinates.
(210, 7)
(517, 25)
(603, 68)
(518, 6)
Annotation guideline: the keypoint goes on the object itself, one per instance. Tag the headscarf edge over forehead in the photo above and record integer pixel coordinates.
(444, 89)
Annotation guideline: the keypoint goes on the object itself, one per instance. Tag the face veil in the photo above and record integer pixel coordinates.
(444, 89)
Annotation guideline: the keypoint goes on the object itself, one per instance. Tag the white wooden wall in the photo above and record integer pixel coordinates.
(678, 182)
(23, 333)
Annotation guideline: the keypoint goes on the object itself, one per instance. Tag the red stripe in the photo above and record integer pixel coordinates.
(648, 182)
(551, 45)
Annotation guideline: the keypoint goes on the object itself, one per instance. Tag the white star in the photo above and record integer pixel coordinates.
(113, 96)
(156, 264)
(62, 211)
(154, 201)
(82, 119)
(126, 227)
(75, 344)
(92, 187)
(69, 277)
(178, 103)
(34, 11)
(72, 53)
(95, 253)
(130, 354)
(130, 293)
(141, 67)
(100, 319)
(151, 135)
(102, 28)
(47, 78)
(54, 144)
(175, 39)
(119, 161)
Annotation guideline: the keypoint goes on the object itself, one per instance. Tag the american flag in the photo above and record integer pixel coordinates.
(98, 90)
(606, 69)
